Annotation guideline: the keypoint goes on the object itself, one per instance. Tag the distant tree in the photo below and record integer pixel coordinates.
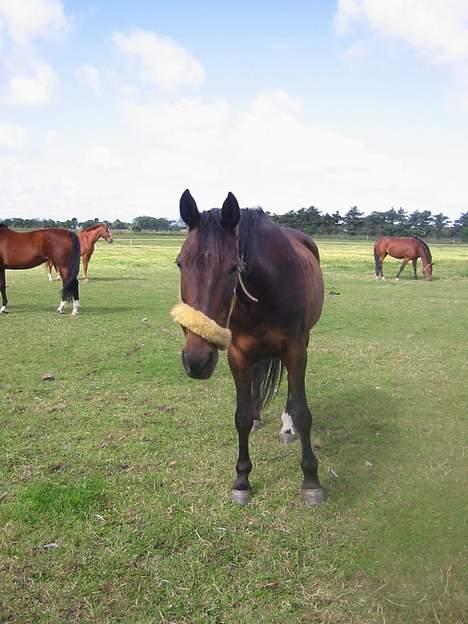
(420, 222)
(353, 222)
(460, 227)
(440, 227)
(119, 225)
(374, 224)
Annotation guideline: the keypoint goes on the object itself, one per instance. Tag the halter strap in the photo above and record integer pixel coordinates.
(241, 267)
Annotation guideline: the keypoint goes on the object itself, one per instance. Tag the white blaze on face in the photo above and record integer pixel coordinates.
(288, 426)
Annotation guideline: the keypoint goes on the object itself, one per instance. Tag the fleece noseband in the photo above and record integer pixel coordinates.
(202, 325)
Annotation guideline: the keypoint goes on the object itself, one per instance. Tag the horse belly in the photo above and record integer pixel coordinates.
(14, 260)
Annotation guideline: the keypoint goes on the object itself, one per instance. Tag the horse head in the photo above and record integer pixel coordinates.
(427, 270)
(105, 233)
(209, 264)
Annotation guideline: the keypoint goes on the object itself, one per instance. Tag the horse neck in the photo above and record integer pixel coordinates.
(423, 254)
(93, 234)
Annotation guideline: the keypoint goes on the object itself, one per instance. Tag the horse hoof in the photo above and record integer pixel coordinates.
(286, 437)
(397, 279)
(241, 497)
(3, 310)
(314, 497)
(60, 311)
(257, 424)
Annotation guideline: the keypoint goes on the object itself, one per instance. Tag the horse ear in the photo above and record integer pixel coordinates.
(230, 212)
(188, 210)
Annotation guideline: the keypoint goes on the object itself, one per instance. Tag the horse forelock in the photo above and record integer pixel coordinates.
(210, 234)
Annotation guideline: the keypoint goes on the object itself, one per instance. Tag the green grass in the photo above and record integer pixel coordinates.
(115, 477)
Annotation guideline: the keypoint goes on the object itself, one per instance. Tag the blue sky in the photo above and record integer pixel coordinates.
(112, 109)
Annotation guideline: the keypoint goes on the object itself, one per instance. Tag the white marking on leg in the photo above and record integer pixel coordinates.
(50, 277)
(76, 307)
(288, 426)
(61, 307)
(3, 310)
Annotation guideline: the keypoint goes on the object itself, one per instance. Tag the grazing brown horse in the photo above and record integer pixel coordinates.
(256, 289)
(406, 248)
(88, 238)
(25, 250)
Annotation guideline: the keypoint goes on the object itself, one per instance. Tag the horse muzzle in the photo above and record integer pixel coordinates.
(199, 363)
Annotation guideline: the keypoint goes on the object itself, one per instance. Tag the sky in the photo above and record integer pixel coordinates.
(110, 110)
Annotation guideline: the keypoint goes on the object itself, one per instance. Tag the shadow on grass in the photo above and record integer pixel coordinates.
(360, 440)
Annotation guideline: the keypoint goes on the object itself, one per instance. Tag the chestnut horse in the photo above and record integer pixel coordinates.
(256, 289)
(406, 248)
(25, 250)
(88, 237)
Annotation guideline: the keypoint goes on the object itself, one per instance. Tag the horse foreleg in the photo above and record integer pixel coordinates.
(85, 267)
(245, 412)
(415, 275)
(403, 264)
(295, 361)
(3, 309)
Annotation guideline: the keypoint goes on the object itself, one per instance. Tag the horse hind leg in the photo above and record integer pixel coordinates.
(287, 433)
(76, 298)
(415, 275)
(403, 264)
(3, 308)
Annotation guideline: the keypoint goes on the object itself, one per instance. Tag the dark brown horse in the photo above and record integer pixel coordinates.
(25, 250)
(405, 248)
(244, 277)
(88, 237)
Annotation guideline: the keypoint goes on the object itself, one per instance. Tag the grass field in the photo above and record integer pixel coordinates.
(115, 476)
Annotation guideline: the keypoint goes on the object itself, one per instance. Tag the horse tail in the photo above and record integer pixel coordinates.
(71, 285)
(266, 380)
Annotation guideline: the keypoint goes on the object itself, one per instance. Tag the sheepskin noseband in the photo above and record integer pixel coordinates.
(202, 325)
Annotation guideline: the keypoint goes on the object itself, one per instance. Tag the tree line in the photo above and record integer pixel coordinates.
(390, 223)
(310, 220)
(139, 224)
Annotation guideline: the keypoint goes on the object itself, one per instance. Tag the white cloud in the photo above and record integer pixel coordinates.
(160, 60)
(25, 20)
(436, 29)
(12, 136)
(101, 157)
(35, 89)
(89, 76)
(267, 154)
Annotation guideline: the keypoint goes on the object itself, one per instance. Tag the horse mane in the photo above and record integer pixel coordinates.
(426, 247)
(92, 227)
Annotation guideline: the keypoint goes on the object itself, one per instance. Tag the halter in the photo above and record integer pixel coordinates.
(201, 324)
